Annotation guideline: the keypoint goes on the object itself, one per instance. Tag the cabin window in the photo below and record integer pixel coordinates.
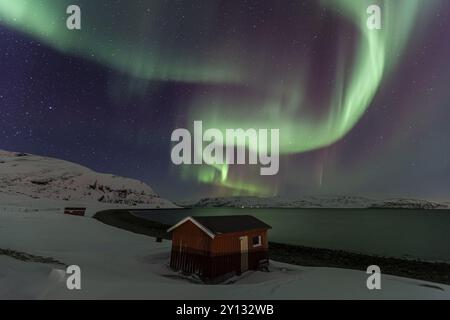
(256, 241)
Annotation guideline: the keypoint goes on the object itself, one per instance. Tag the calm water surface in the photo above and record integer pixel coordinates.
(401, 233)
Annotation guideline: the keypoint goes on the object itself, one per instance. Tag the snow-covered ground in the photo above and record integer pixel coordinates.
(119, 264)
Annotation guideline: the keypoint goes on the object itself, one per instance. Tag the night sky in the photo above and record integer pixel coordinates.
(360, 112)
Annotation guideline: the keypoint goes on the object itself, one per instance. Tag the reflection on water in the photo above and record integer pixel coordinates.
(416, 234)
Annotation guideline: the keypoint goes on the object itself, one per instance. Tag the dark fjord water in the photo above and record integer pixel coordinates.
(415, 234)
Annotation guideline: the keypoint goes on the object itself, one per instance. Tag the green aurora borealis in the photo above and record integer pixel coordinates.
(257, 75)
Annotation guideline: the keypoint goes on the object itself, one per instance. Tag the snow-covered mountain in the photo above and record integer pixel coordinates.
(278, 202)
(410, 204)
(315, 202)
(29, 176)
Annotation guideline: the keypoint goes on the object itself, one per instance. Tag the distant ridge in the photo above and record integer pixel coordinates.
(314, 202)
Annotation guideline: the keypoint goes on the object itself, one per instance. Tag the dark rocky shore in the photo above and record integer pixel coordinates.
(299, 255)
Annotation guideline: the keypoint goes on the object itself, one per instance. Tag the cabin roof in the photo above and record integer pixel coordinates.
(214, 225)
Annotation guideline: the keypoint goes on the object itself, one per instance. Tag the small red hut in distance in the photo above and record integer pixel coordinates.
(216, 247)
(75, 211)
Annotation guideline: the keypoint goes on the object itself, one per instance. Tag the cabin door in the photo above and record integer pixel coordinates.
(244, 253)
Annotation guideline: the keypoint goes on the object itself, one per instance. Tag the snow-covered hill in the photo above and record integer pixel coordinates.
(315, 202)
(25, 176)
(410, 204)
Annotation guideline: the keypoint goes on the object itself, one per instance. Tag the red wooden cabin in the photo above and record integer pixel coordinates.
(216, 247)
(75, 211)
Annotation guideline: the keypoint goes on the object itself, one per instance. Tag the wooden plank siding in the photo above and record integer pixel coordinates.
(189, 236)
(193, 251)
(229, 242)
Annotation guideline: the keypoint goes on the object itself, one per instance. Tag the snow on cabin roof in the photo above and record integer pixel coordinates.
(214, 225)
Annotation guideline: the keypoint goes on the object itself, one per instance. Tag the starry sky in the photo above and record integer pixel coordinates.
(360, 112)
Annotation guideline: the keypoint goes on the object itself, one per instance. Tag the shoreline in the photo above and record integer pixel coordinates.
(296, 208)
(438, 272)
